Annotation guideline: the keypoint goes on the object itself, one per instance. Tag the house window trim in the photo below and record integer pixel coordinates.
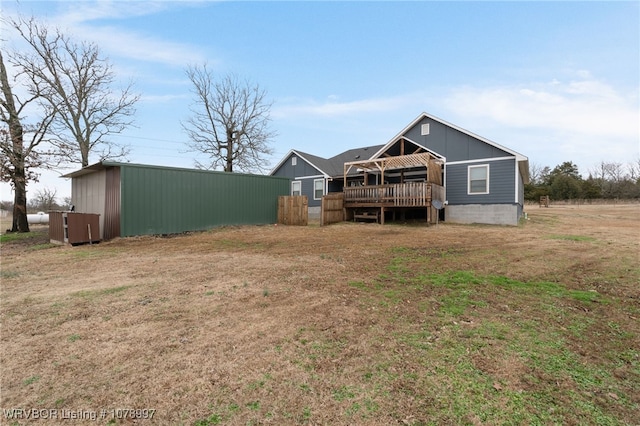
(299, 182)
(314, 189)
(486, 191)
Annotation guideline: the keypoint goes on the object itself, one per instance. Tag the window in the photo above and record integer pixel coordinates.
(478, 179)
(296, 187)
(294, 161)
(318, 189)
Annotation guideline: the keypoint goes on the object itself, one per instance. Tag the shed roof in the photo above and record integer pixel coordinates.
(102, 165)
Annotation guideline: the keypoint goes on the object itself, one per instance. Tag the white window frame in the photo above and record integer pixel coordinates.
(315, 188)
(295, 183)
(486, 191)
(294, 160)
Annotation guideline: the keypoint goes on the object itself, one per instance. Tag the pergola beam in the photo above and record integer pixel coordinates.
(387, 163)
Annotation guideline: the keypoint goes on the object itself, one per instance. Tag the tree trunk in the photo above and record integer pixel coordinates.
(20, 222)
(230, 146)
(17, 157)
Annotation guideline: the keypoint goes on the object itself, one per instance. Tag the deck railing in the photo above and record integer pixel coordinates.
(410, 194)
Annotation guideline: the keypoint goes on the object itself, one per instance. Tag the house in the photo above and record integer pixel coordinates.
(316, 176)
(138, 199)
(429, 164)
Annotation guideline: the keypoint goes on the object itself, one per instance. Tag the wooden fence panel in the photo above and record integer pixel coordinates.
(332, 208)
(293, 210)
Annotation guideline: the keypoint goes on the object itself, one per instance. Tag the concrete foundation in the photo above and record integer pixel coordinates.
(493, 214)
(315, 212)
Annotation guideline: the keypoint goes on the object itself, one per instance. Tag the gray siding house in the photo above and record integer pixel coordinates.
(483, 181)
(315, 176)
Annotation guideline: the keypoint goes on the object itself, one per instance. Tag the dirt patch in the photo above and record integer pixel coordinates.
(350, 323)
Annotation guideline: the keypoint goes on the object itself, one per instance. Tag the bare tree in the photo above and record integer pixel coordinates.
(634, 170)
(75, 81)
(229, 122)
(18, 157)
(45, 199)
(535, 173)
(615, 172)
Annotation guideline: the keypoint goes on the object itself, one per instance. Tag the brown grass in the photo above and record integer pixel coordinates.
(331, 325)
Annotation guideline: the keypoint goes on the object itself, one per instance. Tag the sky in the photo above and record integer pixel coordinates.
(554, 81)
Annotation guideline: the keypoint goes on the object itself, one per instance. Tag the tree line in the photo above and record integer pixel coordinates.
(44, 200)
(608, 180)
(60, 106)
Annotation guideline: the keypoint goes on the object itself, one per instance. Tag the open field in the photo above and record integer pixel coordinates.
(345, 324)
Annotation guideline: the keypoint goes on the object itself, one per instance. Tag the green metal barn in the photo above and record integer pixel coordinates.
(137, 199)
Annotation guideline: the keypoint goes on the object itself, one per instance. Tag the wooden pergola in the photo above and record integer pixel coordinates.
(423, 159)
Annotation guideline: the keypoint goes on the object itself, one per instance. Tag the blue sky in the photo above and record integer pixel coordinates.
(555, 81)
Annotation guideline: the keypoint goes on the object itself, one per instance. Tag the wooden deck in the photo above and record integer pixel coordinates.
(392, 196)
(411, 194)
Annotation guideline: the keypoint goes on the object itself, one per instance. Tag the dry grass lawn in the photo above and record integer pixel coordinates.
(345, 324)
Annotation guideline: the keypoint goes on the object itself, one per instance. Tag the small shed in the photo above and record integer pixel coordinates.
(138, 199)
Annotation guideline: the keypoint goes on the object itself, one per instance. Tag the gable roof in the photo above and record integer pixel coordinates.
(337, 162)
(523, 161)
(331, 167)
(314, 161)
(424, 115)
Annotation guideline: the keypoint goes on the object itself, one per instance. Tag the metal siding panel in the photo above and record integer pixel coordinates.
(82, 227)
(88, 192)
(111, 223)
(56, 227)
(163, 201)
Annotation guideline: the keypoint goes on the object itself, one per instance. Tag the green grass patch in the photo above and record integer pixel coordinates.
(253, 405)
(577, 238)
(30, 380)
(213, 419)
(9, 274)
(464, 282)
(19, 236)
(114, 290)
(489, 349)
(344, 393)
(358, 284)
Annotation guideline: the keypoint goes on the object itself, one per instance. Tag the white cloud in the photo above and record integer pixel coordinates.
(80, 21)
(333, 107)
(141, 47)
(584, 119)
